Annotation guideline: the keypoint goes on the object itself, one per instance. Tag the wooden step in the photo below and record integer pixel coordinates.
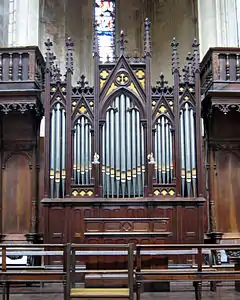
(99, 293)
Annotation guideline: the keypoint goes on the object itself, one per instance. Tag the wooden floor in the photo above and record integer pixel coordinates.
(178, 291)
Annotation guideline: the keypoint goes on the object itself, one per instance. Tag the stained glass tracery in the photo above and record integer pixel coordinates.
(105, 18)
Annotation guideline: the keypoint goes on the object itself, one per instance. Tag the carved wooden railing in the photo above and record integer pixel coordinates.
(220, 69)
(21, 65)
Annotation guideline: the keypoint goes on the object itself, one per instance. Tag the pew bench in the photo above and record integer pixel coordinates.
(101, 293)
(197, 274)
(11, 275)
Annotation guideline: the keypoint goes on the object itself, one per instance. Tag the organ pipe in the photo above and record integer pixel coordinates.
(58, 152)
(163, 151)
(123, 155)
(188, 152)
(82, 155)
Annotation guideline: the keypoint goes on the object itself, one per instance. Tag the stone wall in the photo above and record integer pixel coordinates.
(170, 18)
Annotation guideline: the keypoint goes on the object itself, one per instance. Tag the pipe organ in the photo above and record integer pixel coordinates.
(123, 156)
(123, 161)
(128, 139)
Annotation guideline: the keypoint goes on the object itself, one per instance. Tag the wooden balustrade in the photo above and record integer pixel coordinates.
(220, 69)
(21, 65)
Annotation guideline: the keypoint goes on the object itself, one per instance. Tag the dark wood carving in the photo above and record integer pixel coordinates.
(220, 92)
(21, 110)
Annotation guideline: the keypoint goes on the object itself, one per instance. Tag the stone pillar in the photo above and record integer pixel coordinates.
(27, 23)
(218, 23)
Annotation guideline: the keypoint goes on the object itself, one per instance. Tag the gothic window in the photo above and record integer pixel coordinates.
(12, 23)
(105, 18)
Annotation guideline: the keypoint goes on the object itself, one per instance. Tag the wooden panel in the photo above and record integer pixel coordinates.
(41, 183)
(190, 223)
(227, 204)
(165, 223)
(16, 195)
(57, 225)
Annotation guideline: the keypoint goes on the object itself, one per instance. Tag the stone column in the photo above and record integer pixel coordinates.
(27, 22)
(218, 23)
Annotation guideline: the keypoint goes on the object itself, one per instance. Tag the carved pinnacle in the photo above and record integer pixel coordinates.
(122, 42)
(49, 55)
(162, 82)
(195, 46)
(147, 37)
(95, 39)
(69, 56)
(175, 58)
(48, 45)
(82, 82)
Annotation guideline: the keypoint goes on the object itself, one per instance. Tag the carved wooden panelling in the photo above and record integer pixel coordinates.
(134, 225)
(166, 224)
(16, 195)
(141, 226)
(57, 225)
(191, 224)
(161, 226)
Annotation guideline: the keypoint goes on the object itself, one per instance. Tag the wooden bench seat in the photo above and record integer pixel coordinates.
(99, 293)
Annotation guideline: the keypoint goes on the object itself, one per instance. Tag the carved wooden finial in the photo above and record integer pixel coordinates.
(95, 40)
(69, 56)
(56, 73)
(175, 58)
(147, 38)
(196, 59)
(122, 42)
(162, 82)
(190, 67)
(48, 45)
(82, 82)
(49, 55)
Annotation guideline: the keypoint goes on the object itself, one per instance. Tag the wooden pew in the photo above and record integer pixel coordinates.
(100, 293)
(196, 275)
(28, 274)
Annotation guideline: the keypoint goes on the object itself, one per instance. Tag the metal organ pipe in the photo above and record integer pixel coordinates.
(142, 159)
(188, 152)
(58, 149)
(183, 170)
(163, 151)
(107, 153)
(78, 151)
(63, 151)
(82, 152)
(52, 151)
(58, 152)
(136, 165)
(117, 146)
(193, 153)
(112, 162)
(122, 139)
(128, 147)
(123, 144)
(187, 147)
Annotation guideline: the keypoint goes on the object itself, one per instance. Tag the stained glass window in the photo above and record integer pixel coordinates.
(105, 17)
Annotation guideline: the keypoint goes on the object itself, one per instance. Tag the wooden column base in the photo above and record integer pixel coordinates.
(34, 238)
